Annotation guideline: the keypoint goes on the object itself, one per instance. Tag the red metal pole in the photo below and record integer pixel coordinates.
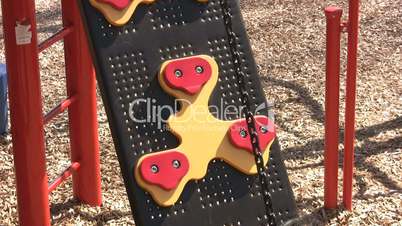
(333, 15)
(26, 112)
(348, 162)
(82, 114)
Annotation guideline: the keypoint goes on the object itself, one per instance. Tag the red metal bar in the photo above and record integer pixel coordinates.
(333, 15)
(55, 38)
(64, 176)
(26, 112)
(83, 118)
(59, 109)
(348, 161)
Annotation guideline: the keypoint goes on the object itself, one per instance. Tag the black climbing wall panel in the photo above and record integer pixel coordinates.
(127, 60)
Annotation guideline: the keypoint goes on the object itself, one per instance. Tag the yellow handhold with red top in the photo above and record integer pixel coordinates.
(202, 136)
(119, 12)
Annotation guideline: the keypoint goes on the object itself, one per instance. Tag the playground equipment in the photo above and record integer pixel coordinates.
(132, 57)
(201, 170)
(27, 119)
(203, 137)
(334, 29)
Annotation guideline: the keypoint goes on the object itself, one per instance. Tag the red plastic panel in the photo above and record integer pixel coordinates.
(188, 74)
(239, 136)
(117, 4)
(165, 169)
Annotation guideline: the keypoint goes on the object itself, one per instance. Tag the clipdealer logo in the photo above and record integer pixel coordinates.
(147, 110)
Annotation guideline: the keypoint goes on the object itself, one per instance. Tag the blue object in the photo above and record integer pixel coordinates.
(3, 100)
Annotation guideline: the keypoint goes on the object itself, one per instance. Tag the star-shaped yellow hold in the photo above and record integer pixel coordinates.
(202, 137)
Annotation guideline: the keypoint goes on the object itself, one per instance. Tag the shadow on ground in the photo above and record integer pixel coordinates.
(99, 219)
(315, 147)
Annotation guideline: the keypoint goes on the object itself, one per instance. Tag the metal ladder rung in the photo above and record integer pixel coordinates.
(55, 38)
(64, 176)
(59, 109)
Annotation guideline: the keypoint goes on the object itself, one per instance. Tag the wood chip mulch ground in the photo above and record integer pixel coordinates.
(288, 39)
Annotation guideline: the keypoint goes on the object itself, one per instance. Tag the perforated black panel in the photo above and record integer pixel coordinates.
(127, 60)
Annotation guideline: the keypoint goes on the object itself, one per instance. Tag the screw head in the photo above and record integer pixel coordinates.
(243, 133)
(176, 164)
(199, 69)
(154, 169)
(264, 129)
(178, 73)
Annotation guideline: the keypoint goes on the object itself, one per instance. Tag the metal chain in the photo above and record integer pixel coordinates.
(236, 58)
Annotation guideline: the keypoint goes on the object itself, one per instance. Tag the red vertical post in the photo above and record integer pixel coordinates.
(26, 111)
(82, 114)
(333, 15)
(348, 162)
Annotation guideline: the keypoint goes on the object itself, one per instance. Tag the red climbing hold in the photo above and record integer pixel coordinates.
(188, 74)
(117, 4)
(238, 133)
(164, 169)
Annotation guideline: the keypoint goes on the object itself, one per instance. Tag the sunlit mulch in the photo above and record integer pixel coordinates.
(288, 40)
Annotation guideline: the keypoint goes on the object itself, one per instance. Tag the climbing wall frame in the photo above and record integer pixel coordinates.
(128, 58)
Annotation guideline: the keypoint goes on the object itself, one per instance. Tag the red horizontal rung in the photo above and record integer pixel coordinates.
(55, 38)
(66, 174)
(59, 109)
